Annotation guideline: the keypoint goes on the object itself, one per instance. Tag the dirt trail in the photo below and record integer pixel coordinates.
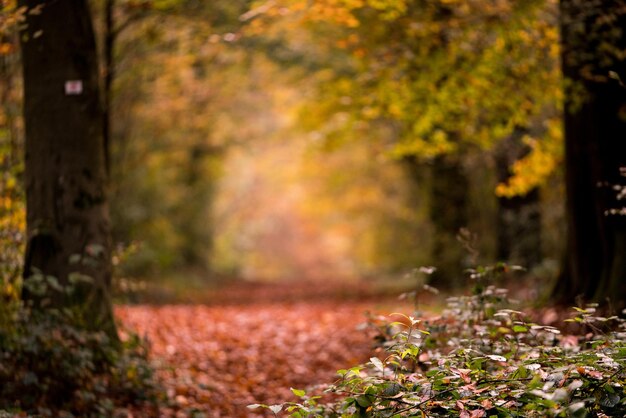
(218, 358)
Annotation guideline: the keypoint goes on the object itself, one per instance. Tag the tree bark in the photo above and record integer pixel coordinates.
(65, 169)
(595, 155)
(448, 214)
(518, 223)
(109, 77)
(195, 222)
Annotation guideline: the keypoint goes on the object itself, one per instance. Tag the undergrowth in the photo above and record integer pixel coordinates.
(50, 365)
(480, 358)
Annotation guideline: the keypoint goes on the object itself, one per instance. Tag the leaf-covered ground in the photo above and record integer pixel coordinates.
(218, 357)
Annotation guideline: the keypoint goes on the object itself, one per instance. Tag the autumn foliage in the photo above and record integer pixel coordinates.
(275, 170)
(219, 359)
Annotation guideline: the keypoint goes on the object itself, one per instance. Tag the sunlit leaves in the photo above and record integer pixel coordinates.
(12, 205)
(534, 169)
(10, 19)
(451, 76)
(179, 95)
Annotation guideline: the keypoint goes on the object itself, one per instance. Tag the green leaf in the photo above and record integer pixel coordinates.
(364, 401)
(393, 389)
(536, 382)
(372, 390)
(54, 283)
(606, 398)
(298, 392)
(521, 372)
(76, 277)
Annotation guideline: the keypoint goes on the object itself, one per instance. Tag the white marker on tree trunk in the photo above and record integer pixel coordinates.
(73, 87)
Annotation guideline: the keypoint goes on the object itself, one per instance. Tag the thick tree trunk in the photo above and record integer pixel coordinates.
(65, 175)
(595, 156)
(518, 223)
(109, 76)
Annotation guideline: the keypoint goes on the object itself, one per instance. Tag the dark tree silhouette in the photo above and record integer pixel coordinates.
(65, 169)
(595, 151)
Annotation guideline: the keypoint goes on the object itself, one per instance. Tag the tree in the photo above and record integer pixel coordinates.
(68, 230)
(172, 83)
(447, 76)
(595, 151)
(518, 222)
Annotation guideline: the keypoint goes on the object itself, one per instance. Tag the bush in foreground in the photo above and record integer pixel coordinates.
(481, 359)
(52, 366)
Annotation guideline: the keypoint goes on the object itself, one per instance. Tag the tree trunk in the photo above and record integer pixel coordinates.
(595, 154)
(195, 221)
(109, 76)
(448, 214)
(65, 176)
(518, 223)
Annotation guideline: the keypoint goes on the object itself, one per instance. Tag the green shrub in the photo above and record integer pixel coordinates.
(481, 359)
(51, 366)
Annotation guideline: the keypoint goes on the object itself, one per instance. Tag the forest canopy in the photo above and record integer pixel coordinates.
(273, 151)
(448, 115)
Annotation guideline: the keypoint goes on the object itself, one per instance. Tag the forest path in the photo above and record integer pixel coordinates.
(218, 358)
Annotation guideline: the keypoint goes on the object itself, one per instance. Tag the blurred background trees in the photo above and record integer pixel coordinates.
(345, 139)
(466, 92)
(12, 205)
